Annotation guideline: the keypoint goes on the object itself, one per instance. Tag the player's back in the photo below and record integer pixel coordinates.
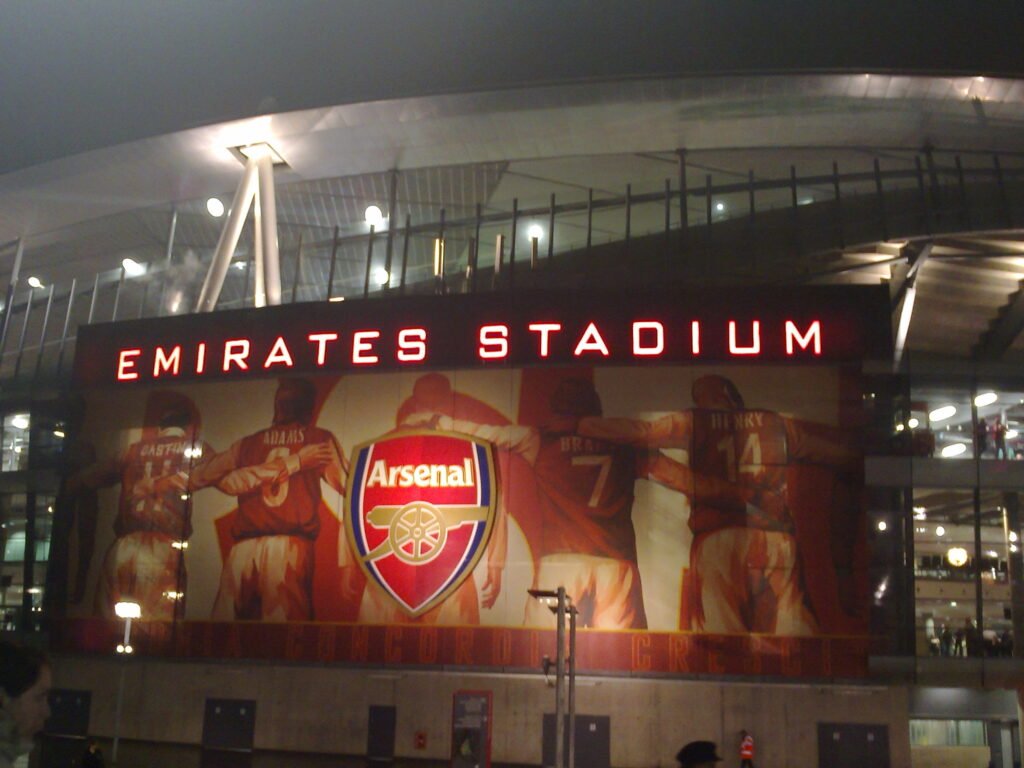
(166, 512)
(745, 447)
(288, 507)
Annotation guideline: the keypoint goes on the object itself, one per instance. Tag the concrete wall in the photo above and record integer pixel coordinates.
(325, 709)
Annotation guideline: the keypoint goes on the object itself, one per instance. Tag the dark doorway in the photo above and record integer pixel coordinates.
(229, 728)
(593, 740)
(380, 736)
(849, 745)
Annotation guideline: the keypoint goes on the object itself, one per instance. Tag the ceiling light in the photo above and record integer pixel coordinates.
(957, 556)
(899, 427)
(940, 531)
(913, 423)
(35, 282)
(942, 413)
(719, 207)
(337, 298)
(535, 232)
(373, 215)
(381, 276)
(991, 553)
(920, 513)
(132, 268)
(239, 265)
(952, 603)
(258, 151)
(20, 421)
(215, 207)
(1013, 535)
(953, 450)
(1011, 433)
(985, 398)
(882, 525)
(58, 433)
(128, 609)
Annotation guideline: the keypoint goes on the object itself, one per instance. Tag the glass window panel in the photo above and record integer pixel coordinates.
(1000, 429)
(947, 733)
(940, 422)
(14, 450)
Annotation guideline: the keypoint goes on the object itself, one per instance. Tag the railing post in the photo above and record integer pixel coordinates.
(42, 333)
(369, 258)
(922, 194)
(795, 203)
(590, 218)
(512, 247)
(298, 269)
(880, 197)
(405, 251)
(684, 219)
(965, 208)
(1001, 182)
(551, 230)
(67, 326)
(330, 269)
(840, 237)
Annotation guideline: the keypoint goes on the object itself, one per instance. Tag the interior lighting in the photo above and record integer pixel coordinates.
(940, 531)
(59, 434)
(35, 282)
(952, 450)
(720, 207)
(239, 265)
(381, 276)
(991, 553)
(985, 398)
(337, 298)
(535, 232)
(913, 423)
(1011, 433)
(899, 427)
(260, 150)
(957, 556)
(952, 603)
(920, 513)
(128, 610)
(942, 413)
(1013, 535)
(882, 525)
(20, 421)
(215, 207)
(373, 215)
(132, 268)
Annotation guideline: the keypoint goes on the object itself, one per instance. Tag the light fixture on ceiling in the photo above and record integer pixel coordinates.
(1011, 433)
(985, 398)
(882, 525)
(132, 268)
(381, 276)
(913, 423)
(1013, 536)
(535, 232)
(373, 215)
(239, 265)
(957, 556)
(215, 207)
(257, 151)
(35, 282)
(942, 413)
(20, 421)
(954, 449)
(899, 427)
(940, 531)
(720, 207)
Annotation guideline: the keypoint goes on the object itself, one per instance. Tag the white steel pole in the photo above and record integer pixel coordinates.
(560, 683)
(228, 240)
(259, 284)
(268, 217)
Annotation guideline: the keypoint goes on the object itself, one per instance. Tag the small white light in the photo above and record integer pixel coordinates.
(1013, 547)
(985, 398)
(215, 207)
(957, 556)
(127, 649)
(882, 525)
(260, 150)
(899, 427)
(381, 276)
(952, 603)
(991, 553)
(373, 215)
(913, 423)
(1011, 433)
(20, 421)
(940, 531)
(953, 450)
(336, 299)
(35, 282)
(942, 413)
(240, 265)
(1013, 535)
(806, 201)
(59, 434)
(132, 268)
(535, 232)
(979, 79)
(719, 207)
(128, 610)
(920, 513)
(120, 648)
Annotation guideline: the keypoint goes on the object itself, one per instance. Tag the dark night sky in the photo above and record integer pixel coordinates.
(80, 75)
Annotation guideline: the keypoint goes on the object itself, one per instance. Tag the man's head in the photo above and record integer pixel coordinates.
(716, 392)
(25, 681)
(698, 754)
(166, 409)
(294, 402)
(575, 397)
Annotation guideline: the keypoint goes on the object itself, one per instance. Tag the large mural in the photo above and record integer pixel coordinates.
(703, 519)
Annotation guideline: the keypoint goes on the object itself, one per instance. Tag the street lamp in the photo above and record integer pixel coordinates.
(127, 610)
(561, 605)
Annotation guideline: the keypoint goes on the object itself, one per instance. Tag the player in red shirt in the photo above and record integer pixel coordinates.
(276, 474)
(746, 750)
(145, 563)
(743, 558)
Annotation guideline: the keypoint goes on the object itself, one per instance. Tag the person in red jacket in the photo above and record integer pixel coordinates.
(746, 750)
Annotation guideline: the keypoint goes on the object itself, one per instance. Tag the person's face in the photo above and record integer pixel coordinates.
(31, 709)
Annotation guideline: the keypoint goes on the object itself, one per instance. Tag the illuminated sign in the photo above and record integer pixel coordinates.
(826, 324)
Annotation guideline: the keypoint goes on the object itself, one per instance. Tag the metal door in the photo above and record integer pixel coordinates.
(593, 741)
(853, 745)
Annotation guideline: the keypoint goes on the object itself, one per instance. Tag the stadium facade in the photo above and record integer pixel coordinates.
(723, 340)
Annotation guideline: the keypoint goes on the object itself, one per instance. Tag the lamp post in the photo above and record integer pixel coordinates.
(561, 605)
(127, 611)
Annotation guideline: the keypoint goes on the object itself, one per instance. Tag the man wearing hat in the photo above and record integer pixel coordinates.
(698, 754)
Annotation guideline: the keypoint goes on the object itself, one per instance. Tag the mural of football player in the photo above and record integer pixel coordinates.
(585, 494)
(432, 395)
(146, 561)
(744, 563)
(275, 474)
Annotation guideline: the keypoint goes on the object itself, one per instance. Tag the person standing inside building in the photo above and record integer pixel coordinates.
(981, 436)
(698, 754)
(25, 680)
(999, 435)
(746, 750)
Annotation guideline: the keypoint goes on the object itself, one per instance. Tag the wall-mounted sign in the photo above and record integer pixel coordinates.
(471, 729)
(821, 324)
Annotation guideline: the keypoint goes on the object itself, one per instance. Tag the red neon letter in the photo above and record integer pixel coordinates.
(591, 341)
(162, 362)
(126, 365)
(659, 338)
(493, 342)
(695, 337)
(235, 351)
(321, 340)
(813, 333)
(755, 345)
(361, 345)
(201, 357)
(279, 354)
(412, 345)
(544, 329)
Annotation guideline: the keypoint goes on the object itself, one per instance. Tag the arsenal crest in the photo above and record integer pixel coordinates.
(419, 513)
